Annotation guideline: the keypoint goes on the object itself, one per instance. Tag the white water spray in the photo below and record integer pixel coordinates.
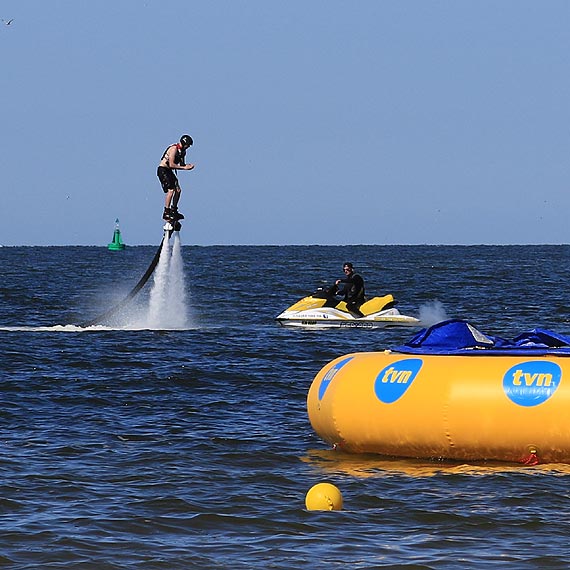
(167, 304)
(167, 307)
(432, 313)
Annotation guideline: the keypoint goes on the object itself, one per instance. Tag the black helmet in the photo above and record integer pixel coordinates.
(186, 140)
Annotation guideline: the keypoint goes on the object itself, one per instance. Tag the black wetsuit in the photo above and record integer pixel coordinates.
(354, 293)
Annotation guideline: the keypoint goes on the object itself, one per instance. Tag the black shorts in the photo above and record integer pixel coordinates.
(167, 179)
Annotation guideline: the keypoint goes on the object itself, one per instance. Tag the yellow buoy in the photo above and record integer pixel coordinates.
(323, 497)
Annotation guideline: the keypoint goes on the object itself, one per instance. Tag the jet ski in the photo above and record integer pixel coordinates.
(323, 309)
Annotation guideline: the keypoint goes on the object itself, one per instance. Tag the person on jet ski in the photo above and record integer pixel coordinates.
(353, 289)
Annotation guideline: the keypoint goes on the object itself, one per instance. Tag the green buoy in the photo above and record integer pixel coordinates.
(117, 243)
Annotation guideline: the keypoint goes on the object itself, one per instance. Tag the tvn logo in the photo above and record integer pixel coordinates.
(532, 383)
(393, 380)
(328, 377)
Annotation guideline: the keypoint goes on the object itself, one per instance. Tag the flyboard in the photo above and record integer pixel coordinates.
(169, 227)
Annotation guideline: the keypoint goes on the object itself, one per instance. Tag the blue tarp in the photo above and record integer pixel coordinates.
(458, 337)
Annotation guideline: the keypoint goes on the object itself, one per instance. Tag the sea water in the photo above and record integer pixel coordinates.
(185, 443)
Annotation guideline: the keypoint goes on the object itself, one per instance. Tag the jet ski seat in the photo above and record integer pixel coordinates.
(377, 304)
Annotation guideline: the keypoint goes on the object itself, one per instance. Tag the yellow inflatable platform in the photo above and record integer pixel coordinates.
(469, 404)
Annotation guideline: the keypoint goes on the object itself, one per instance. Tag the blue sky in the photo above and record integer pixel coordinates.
(314, 121)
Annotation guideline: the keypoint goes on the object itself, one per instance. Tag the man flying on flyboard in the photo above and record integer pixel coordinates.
(174, 158)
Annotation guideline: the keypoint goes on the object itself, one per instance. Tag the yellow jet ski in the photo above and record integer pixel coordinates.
(323, 310)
